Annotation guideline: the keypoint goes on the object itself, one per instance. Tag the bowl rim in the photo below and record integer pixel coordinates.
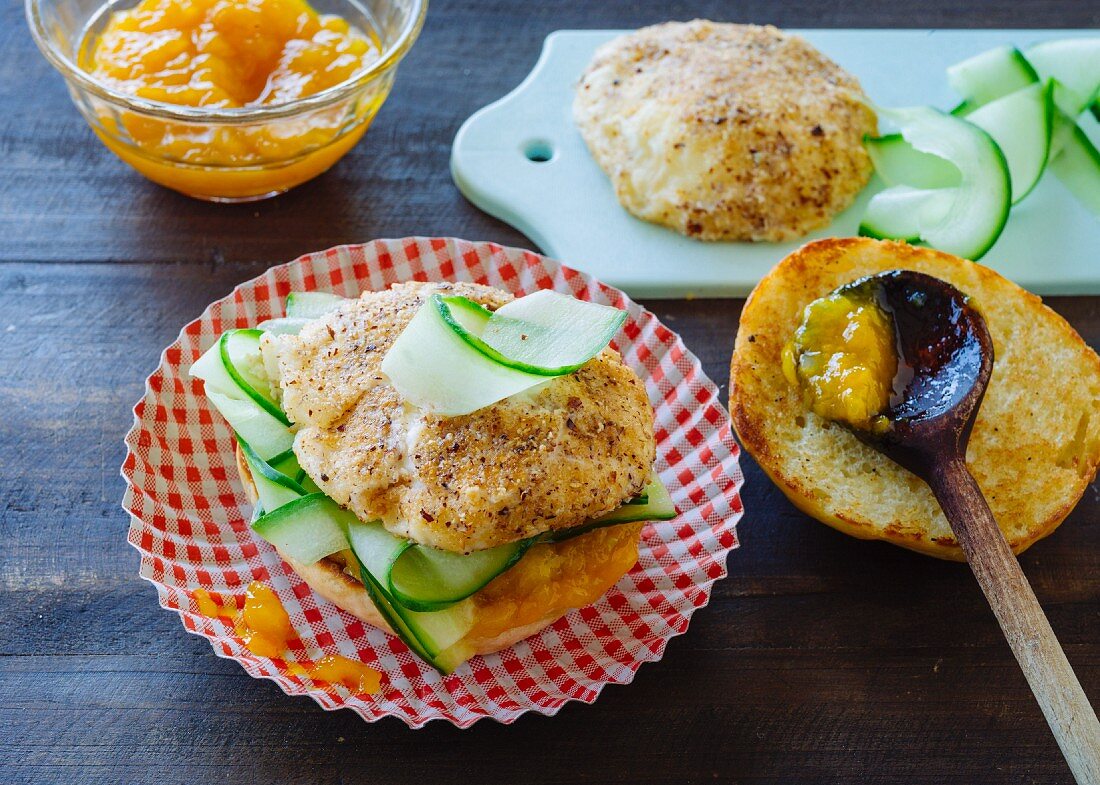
(78, 77)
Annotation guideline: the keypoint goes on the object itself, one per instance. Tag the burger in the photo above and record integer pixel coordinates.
(443, 461)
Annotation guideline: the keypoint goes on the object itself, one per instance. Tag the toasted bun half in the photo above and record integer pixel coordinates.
(332, 579)
(1035, 446)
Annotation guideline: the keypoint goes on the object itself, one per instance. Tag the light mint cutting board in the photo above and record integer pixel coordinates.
(567, 207)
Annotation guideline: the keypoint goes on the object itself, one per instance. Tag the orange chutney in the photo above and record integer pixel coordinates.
(553, 578)
(228, 54)
(264, 627)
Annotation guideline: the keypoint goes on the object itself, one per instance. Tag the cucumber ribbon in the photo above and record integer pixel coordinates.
(946, 174)
(455, 356)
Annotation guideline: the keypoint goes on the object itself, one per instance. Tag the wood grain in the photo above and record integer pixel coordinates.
(1029, 635)
(821, 659)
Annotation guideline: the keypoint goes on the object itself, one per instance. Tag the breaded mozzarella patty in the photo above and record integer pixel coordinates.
(548, 459)
(723, 131)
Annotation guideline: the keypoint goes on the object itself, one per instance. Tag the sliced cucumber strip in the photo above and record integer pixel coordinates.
(375, 548)
(1077, 164)
(284, 325)
(989, 76)
(551, 333)
(269, 437)
(434, 368)
(1075, 63)
(544, 333)
(307, 482)
(898, 213)
(897, 163)
(489, 356)
(240, 353)
(234, 368)
(388, 610)
(211, 369)
(287, 464)
(427, 634)
(980, 203)
(273, 487)
(429, 579)
(658, 506)
(1020, 123)
(306, 529)
(311, 305)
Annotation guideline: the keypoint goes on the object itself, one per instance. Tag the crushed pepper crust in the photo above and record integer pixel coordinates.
(544, 460)
(724, 131)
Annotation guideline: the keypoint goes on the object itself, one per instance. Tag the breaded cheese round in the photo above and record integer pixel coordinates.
(724, 131)
(547, 459)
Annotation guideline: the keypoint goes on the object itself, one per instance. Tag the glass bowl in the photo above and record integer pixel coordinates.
(227, 154)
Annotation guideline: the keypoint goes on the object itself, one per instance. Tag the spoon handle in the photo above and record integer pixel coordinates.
(1048, 672)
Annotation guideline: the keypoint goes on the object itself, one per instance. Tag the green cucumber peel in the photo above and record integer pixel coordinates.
(1075, 64)
(312, 305)
(1021, 124)
(455, 356)
(389, 613)
(273, 487)
(434, 368)
(1077, 163)
(526, 334)
(897, 162)
(427, 634)
(422, 578)
(268, 436)
(551, 333)
(976, 209)
(286, 464)
(284, 325)
(990, 75)
(211, 369)
(240, 354)
(899, 212)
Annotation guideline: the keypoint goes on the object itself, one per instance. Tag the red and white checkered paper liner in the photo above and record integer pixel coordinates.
(189, 513)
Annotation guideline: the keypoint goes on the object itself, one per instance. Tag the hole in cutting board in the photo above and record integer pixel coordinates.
(538, 151)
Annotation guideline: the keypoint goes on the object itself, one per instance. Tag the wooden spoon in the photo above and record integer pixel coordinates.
(944, 343)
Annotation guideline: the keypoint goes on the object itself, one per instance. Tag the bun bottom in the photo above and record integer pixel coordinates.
(330, 580)
(1035, 446)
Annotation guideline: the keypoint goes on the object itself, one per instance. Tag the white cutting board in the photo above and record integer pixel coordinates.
(567, 207)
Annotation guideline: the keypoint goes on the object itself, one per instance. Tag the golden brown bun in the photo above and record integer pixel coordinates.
(1035, 446)
(329, 580)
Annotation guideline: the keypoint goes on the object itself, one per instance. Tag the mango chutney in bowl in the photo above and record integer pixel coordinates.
(228, 100)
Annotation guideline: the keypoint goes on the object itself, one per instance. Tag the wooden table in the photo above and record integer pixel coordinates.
(821, 659)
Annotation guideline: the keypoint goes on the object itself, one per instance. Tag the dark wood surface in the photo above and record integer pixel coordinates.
(821, 659)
